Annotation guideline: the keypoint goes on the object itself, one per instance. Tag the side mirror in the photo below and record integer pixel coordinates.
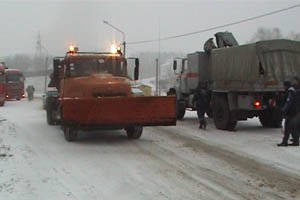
(174, 65)
(136, 69)
(56, 64)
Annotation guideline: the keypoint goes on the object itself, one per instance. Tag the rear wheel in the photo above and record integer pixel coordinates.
(270, 118)
(50, 110)
(2, 103)
(134, 132)
(222, 115)
(50, 120)
(70, 133)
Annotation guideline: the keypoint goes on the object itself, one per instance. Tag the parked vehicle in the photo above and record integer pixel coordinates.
(94, 91)
(244, 81)
(2, 85)
(14, 84)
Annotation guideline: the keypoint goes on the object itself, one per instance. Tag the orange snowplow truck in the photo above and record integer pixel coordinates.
(94, 92)
(2, 85)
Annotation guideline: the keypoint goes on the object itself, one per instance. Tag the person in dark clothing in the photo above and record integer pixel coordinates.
(201, 100)
(30, 91)
(296, 130)
(290, 112)
(295, 123)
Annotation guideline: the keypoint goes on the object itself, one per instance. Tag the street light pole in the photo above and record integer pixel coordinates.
(46, 69)
(123, 34)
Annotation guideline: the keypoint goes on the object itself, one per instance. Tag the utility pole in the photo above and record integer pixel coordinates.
(38, 53)
(46, 74)
(156, 78)
(158, 62)
(38, 48)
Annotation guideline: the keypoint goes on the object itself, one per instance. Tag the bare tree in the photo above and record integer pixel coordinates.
(20, 61)
(266, 34)
(275, 33)
(294, 36)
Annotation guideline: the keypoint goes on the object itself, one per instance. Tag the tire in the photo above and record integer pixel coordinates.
(2, 103)
(180, 110)
(222, 115)
(70, 134)
(49, 111)
(134, 132)
(271, 118)
(50, 119)
(180, 107)
(18, 99)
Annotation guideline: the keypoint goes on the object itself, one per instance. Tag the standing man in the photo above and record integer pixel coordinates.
(33, 89)
(296, 130)
(296, 120)
(30, 91)
(201, 100)
(289, 111)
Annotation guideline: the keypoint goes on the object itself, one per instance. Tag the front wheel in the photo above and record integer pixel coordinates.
(70, 133)
(2, 103)
(222, 114)
(180, 106)
(180, 110)
(134, 132)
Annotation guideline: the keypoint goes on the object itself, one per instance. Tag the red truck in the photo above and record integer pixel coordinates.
(14, 84)
(2, 85)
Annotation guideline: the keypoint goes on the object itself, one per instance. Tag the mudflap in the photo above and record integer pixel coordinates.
(120, 111)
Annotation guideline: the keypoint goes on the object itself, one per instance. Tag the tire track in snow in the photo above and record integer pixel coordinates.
(216, 184)
(269, 175)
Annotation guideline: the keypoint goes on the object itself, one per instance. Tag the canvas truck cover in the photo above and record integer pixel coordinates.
(197, 64)
(260, 66)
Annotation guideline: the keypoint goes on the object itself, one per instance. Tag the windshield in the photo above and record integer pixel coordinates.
(89, 66)
(14, 78)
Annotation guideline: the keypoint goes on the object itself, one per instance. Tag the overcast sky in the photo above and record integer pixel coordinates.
(81, 22)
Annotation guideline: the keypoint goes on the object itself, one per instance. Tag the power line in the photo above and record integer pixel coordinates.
(216, 27)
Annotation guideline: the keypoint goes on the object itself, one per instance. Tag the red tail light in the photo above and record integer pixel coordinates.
(257, 104)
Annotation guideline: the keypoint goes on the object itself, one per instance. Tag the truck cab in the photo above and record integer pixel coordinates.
(188, 75)
(95, 75)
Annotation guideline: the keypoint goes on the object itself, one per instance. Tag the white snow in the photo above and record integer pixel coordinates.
(249, 139)
(176, 162)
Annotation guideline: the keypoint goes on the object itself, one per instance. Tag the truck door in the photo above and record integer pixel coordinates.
(185, 72)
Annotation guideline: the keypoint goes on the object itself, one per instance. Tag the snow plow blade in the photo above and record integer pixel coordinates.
(120, 111)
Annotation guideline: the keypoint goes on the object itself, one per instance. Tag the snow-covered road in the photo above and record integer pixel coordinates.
(179, 162)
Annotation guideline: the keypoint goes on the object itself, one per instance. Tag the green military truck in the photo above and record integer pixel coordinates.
(244, 81)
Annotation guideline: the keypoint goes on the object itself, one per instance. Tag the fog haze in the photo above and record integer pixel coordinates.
(81, 22)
